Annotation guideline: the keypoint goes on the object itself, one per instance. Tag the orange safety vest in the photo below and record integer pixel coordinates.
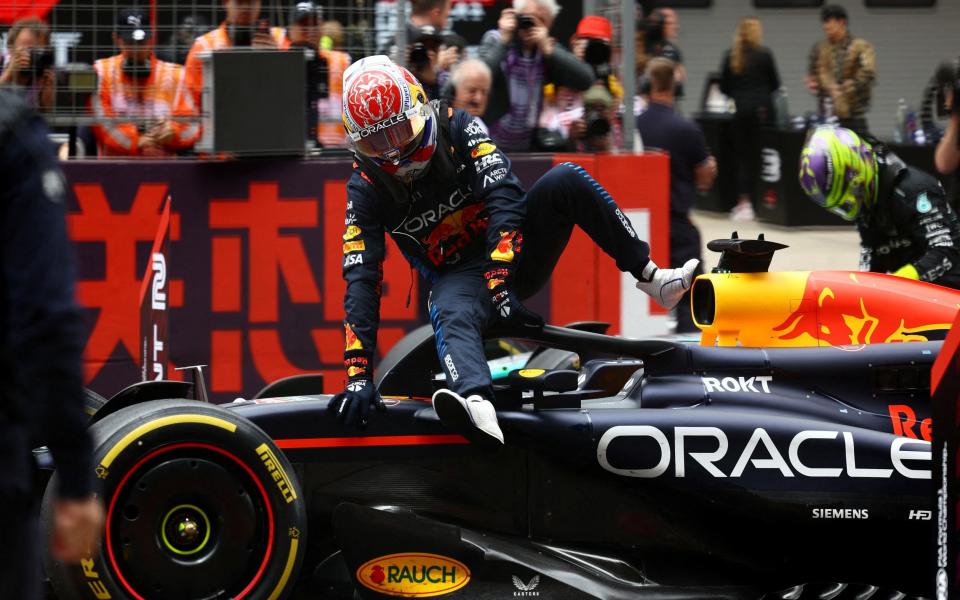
(188, 97)
(150, 102)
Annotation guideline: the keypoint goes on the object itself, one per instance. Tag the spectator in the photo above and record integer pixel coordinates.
(428, 53)
(332, 35)
(692, 168)
(749, 77)
(660, 32)
(523, 57)
(242, 27)
(178, 44)
(563, 109)
(305, 31)
(841, 71)
(137, 85)
(41, 341)
(29, 62)
(471, 81)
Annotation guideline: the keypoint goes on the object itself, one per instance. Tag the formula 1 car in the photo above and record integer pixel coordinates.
(785, 456)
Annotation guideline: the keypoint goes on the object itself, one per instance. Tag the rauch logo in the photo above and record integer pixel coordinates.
(413, 575)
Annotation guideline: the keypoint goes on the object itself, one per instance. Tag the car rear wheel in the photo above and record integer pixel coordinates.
(199, 503)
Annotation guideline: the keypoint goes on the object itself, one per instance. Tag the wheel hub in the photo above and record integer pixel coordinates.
(185, 530)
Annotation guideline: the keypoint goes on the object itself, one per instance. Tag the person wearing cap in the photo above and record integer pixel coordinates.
(566, 110)
(241, 27)
(305, 30)
(136, 85)
(841, 71)
(907, 227)
(523, 58)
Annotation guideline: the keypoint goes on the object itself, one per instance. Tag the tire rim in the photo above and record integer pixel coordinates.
(189, 521)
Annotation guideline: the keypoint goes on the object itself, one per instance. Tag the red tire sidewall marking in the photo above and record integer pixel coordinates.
(165, 449)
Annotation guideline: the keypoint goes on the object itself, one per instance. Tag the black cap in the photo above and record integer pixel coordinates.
(133, 25)
(833, 11)
(426, 33)
(306, 9)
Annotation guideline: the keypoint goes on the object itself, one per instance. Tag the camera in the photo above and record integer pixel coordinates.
(41, 59)
(597, 124)
(241, 35)
(525, 22)
(419, 59)
(597, 55)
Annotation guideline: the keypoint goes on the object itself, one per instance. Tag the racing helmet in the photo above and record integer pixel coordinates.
(387, 116)
(838, 171)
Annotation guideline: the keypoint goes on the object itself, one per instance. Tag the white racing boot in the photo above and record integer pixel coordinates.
(474, 417)
(667, 286)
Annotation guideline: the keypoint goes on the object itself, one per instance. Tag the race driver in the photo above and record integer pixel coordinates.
(430, 176)
(906, 226)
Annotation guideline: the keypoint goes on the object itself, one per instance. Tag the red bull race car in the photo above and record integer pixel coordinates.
(786, 455)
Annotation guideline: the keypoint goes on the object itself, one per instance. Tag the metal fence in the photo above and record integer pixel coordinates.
(62, 79)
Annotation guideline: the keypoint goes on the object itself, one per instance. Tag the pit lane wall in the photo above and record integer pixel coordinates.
(252, 275)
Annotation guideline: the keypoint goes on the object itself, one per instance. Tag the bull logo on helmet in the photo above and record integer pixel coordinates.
(372, 98)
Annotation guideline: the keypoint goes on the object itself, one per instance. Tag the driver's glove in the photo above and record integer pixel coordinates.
(352, 406)
(506, 305)
(667, 286)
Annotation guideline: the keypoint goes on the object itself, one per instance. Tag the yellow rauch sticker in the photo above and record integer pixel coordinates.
(413, 575)
(531, 372)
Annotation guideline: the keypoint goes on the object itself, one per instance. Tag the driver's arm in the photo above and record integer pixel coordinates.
(933, 226)
(495, 184)
(363, 252)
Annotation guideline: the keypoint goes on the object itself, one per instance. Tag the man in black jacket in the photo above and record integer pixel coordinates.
(431, 177)
(41, 341)
(906, 226)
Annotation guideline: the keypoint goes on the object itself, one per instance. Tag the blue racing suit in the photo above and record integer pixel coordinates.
(472, 232)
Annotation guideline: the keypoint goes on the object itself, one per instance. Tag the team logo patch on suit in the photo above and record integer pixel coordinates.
(482, 149)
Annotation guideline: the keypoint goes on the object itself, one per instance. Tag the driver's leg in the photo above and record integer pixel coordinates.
(459, 310)
(566, 196)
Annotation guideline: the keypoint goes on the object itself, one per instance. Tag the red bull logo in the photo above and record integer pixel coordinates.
(492, 283)
(454, 233)
(840, 308)
(504, 250)
(354, 371)
(482, 149)
(352, 342)
(821, 308)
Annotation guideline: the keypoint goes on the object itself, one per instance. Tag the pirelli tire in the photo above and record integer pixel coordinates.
(199, 503)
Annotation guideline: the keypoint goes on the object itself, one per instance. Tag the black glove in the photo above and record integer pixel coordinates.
(352, 406)
(507, 306)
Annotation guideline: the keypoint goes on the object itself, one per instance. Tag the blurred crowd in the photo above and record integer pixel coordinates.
(532, 91)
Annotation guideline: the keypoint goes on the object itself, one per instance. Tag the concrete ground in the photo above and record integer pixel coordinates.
(810, 248)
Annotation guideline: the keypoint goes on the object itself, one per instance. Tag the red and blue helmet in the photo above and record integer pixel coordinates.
(387, 116)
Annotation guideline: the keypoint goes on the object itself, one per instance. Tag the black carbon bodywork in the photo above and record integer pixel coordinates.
(705, 472)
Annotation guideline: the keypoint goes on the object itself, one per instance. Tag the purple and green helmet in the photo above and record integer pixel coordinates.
(838, 171)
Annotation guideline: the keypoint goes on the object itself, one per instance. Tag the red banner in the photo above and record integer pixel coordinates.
(253, 282)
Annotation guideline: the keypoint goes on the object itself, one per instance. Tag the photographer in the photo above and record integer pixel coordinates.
(523, 57)
(586, 119)
(29, 64)
(947, 156)
(429, 53)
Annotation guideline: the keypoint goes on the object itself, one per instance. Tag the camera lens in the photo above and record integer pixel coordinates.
(525, 22)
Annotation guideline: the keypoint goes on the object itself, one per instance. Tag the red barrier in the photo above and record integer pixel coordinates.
(253, 272)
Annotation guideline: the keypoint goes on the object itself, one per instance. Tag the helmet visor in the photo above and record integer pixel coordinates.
(389, 139)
